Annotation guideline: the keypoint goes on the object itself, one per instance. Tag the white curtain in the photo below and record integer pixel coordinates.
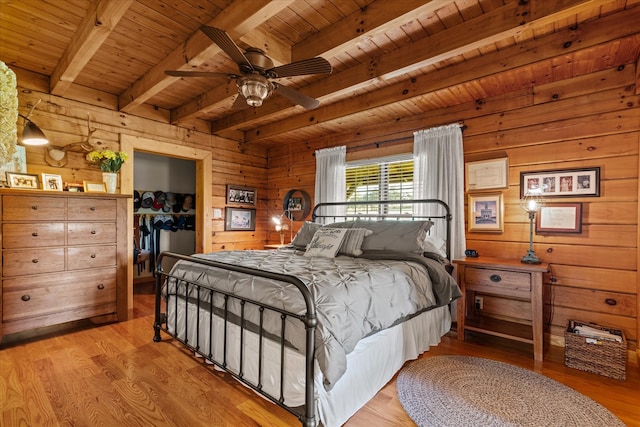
(438, 173)
(331, 178)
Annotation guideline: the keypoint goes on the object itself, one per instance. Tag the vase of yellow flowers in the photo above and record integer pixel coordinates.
(110, 163)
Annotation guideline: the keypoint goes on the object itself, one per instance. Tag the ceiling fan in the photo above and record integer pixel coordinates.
(255, 80)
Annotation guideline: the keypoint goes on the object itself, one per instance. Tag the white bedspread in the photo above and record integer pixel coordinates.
(354, 297)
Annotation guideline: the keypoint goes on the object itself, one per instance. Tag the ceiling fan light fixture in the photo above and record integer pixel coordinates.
(255, 89)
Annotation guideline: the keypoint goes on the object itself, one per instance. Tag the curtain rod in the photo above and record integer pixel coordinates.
(377, 144)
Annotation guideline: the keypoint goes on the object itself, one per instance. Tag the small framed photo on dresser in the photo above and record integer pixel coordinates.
(94, 187)
(22, 180)
(51, 182)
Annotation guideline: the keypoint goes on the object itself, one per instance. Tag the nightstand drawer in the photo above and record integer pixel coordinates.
(500, 282)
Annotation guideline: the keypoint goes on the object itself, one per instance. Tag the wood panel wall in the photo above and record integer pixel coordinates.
(586, 121)
(65, 121)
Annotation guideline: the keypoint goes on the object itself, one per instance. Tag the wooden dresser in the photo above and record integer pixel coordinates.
(508, 279)
(64, 258)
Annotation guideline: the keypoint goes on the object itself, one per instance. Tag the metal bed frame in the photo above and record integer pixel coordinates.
(307, 413)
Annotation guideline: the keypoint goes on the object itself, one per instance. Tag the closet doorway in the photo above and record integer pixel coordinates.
(164, 218)
(203, 164)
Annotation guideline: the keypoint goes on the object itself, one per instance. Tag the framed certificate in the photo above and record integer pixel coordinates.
(489, 174)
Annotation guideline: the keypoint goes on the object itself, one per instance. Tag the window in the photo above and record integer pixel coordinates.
(380, 179)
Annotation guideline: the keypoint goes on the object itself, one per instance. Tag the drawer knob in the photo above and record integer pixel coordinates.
(611, 301)
(495, 278)
(93, 231)
(93, 255)
(25, 298)
(35, 260)
(34, 234)
(101, 286)
(34, 207)
(93, 208)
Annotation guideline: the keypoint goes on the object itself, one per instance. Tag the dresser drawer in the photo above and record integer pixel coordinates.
(57, 293)
(32, 235)
(91, 257)
(32, 261)
(499, 282)
(32, 208)
(85, 233)
(91, 210)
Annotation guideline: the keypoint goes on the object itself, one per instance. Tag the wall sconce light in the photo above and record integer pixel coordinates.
(282, 227)
(32, 134)
(531, 203)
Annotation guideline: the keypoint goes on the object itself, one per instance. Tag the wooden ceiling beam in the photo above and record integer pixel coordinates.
(100, 20)
(376, 18)
(503, 23)
(275, 48)
(240, 18)
(564, 42)
(206, 101)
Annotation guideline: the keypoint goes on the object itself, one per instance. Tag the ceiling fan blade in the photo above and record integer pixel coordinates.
(297, 97)
(317, 65)
(226, 43)
(178, 73)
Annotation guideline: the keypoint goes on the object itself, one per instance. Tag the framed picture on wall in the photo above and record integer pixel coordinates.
(562, 183)
(489, 174)
(239, 219)
(238, 195)
(559, 218)
(485, 212)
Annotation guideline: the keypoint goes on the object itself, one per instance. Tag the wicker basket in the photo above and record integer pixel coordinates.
(598, 356)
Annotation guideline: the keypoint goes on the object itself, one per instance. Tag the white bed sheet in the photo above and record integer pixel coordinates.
(370, 366)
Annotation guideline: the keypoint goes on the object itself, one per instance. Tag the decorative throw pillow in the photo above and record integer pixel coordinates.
(352, 242)
(305, 234)
(325, 243)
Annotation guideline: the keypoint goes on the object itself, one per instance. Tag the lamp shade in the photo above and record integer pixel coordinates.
(33, 135)
(255, 89)
(532, 201)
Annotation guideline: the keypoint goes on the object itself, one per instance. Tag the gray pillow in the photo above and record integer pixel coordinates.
(399, 236)
(305, 234)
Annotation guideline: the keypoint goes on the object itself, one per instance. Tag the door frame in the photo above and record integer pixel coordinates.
(203, 160)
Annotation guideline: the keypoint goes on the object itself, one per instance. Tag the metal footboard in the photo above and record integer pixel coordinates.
(205, 299)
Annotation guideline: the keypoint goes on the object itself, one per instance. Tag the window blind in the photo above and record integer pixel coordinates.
(388, 178)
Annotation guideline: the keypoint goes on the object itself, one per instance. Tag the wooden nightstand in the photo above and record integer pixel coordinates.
(508, 279)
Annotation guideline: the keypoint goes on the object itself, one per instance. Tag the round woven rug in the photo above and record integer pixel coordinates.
(459, 391)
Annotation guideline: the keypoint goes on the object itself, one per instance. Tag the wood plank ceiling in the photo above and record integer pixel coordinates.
(390, 59)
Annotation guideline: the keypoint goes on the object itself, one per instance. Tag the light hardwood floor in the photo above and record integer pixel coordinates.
(115, 375)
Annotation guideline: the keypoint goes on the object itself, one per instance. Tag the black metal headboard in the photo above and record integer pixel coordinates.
(378, 210)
